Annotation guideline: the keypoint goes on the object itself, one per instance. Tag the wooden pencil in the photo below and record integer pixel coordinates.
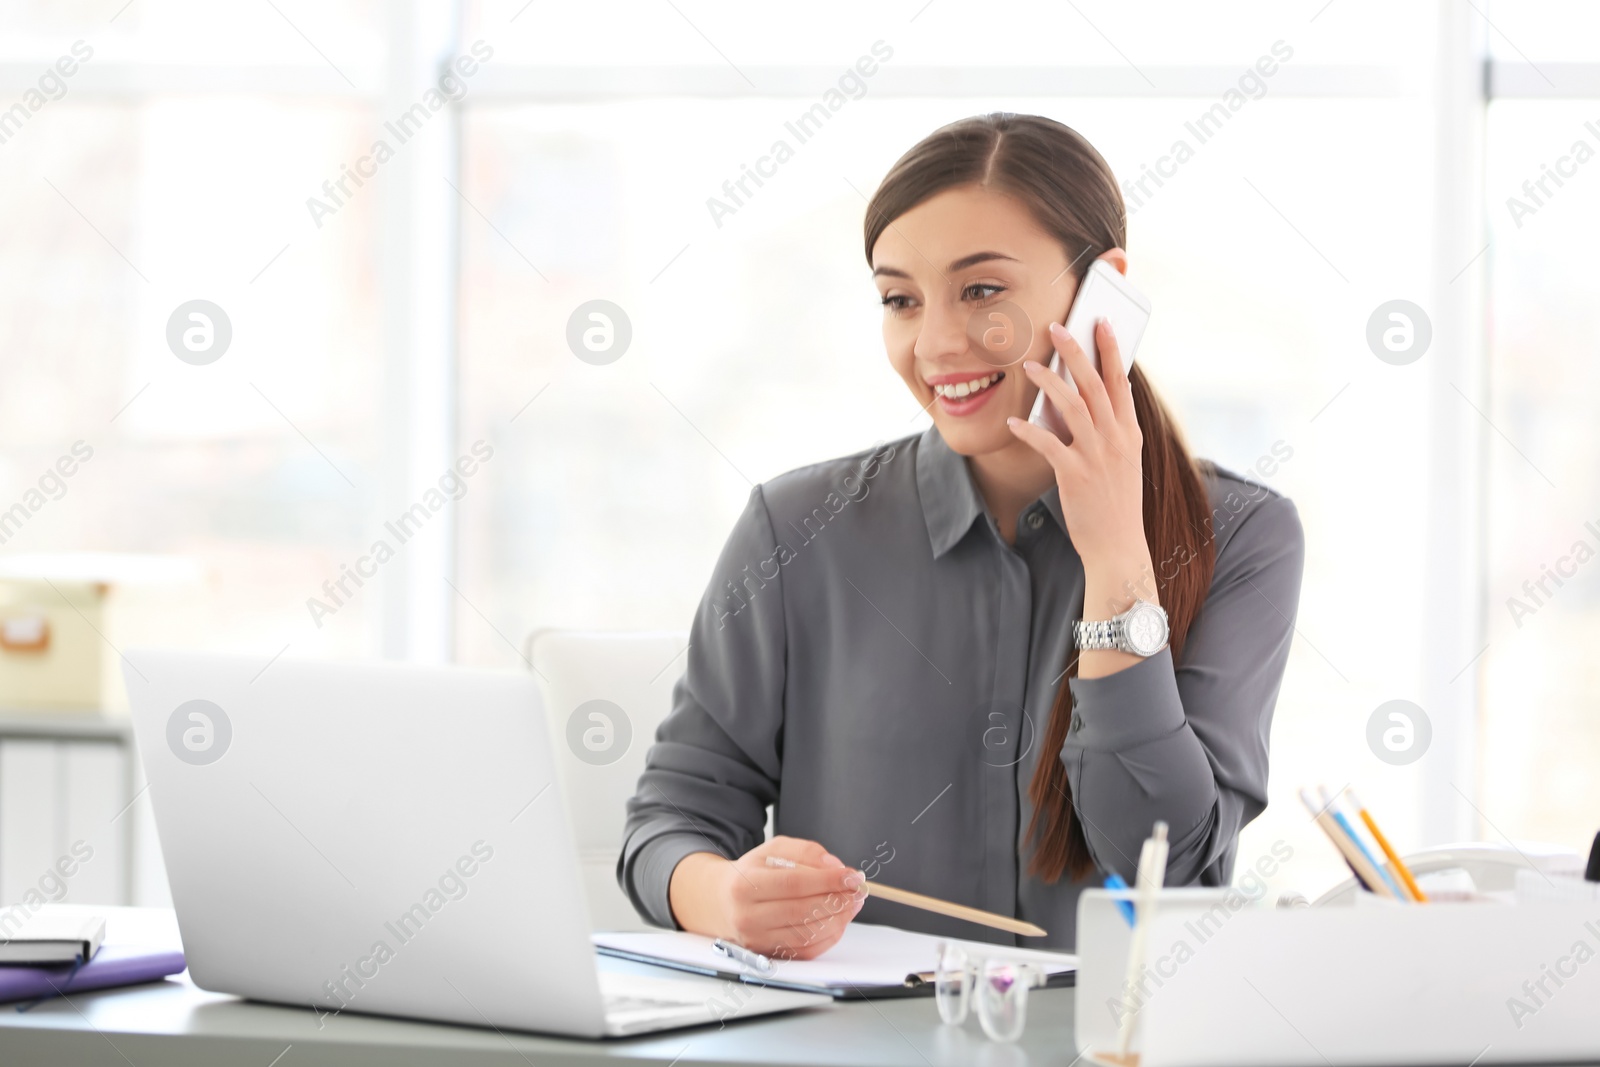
(955, 911)
(934, 904)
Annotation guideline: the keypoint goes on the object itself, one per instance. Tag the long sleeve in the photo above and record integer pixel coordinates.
(715, 764)
(869, 661)
(1189, 745)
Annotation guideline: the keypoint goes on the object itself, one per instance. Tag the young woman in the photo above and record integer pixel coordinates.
(886, 651)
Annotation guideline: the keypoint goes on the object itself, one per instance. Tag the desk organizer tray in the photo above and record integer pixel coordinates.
(1229, 983)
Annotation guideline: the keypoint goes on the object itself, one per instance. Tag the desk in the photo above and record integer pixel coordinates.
(173, 1023)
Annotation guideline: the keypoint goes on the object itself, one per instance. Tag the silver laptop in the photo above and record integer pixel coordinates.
(384, 838)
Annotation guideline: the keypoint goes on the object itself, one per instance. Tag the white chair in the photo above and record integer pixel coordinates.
(632, 674)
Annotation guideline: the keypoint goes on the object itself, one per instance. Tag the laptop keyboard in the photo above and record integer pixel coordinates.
(634, 996)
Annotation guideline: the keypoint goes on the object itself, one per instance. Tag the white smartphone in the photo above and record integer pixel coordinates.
(1103, 294)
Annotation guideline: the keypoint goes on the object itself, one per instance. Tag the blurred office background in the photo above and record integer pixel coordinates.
(425, 311)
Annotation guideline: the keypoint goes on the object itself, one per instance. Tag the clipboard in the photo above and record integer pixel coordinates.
(896, 950)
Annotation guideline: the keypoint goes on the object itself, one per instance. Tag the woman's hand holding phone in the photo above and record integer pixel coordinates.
(1096, 453)
(783, 912)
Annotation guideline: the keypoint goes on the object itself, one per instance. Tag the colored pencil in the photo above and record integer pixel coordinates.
(1366, 874)
(1115, 881)
(1343, 820)
(1397, 864)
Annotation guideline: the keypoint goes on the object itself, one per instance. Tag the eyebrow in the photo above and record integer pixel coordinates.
(979, 257)
(958, 265)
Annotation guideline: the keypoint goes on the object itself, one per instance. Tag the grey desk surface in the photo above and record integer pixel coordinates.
(174, 1023)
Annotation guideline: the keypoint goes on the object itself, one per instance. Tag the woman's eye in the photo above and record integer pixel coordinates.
(897, 302)
(981, 292)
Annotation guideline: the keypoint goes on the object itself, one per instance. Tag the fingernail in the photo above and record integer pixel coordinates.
(1013, 421)
(853, 879)
(1030, 364)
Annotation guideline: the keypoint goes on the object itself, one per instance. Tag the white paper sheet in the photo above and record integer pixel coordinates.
(867, 955)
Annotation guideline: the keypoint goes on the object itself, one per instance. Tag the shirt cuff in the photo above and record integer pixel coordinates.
(651, 874)
(1122, 710)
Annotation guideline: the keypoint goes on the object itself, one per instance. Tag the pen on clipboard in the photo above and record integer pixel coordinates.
(755, 961)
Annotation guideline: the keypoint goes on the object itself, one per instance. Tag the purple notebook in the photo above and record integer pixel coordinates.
(113, 965)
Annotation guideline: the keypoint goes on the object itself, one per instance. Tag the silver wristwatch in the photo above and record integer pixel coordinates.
(1141, 630)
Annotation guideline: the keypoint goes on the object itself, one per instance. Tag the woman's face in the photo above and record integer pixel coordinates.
(970, 284)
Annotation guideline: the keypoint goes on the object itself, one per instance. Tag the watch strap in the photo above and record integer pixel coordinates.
(1097, 635)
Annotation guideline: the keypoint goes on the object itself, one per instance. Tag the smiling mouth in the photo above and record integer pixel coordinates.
(963, 390)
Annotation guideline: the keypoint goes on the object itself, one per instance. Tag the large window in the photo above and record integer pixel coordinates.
(382, 328)
(164, 170)
(1541, 700)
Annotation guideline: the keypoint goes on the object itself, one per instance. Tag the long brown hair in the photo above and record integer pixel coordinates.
(1072, 193)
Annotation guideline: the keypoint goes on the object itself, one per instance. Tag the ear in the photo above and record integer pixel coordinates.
(1117, 258)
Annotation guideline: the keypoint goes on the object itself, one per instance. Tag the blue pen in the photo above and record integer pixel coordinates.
(1114, 881)
(1350, 832)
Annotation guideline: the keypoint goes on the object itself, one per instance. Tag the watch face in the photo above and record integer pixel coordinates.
(1146, 629)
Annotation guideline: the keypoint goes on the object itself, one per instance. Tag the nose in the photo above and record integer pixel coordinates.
(944, 332)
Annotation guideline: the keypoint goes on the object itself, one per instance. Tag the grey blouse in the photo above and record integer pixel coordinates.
(879, 664)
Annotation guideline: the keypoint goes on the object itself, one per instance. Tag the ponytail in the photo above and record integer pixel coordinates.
(1177, 527)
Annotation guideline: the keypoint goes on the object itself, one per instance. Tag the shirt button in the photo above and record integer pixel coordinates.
(1036, 520)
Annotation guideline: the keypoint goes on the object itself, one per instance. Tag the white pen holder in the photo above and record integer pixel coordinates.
(1233, 983)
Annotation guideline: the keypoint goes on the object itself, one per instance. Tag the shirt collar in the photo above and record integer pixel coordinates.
(950, 500)
(1052, 503)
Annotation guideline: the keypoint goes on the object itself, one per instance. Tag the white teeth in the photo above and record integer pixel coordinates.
(964, 389)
